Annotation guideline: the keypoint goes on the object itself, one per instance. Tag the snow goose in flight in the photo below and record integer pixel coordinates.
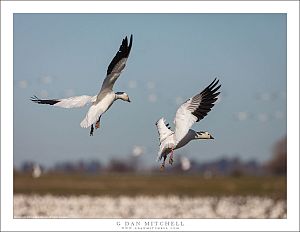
(105, 98)
(191, 111)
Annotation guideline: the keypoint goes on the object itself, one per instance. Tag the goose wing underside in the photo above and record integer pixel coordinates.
(163, 129)
(195, 109)
(71, 102)
(117, 64)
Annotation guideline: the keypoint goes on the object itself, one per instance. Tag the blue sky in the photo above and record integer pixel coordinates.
(174, 56)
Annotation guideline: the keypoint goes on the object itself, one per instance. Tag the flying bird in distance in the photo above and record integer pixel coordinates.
(191, 111)
(101, 102)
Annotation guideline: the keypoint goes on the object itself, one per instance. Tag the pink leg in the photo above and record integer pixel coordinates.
(97, 125)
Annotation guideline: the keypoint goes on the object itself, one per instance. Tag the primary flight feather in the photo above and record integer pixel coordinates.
(191, 111)
(105, 98)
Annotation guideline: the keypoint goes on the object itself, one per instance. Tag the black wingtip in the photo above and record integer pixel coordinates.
(41, 101)
(34, 98)
(213, 84)
(130, 44)
(123, 52)
(131, 39)
(209, 96)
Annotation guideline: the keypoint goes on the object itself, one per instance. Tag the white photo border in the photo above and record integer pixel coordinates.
(8, 8)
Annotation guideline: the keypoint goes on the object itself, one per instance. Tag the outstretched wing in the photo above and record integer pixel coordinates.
(194, 109)
(71, 102)
(163, 130)
(117, 64)
(165, 138)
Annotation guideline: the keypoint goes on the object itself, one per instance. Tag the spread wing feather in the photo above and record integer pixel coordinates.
(195, 109)
(117, 64)
(163, 129)
(71, 102)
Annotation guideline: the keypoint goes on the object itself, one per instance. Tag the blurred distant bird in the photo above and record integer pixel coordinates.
(105, 98)
(36, 171)
(193, 110)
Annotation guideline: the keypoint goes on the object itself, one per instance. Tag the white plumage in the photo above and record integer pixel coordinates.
(98, 109)
(74, 102)
(101, 102)
(191, 111)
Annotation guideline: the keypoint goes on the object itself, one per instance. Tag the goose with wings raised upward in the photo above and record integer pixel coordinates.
(191, 111)
(105, 98)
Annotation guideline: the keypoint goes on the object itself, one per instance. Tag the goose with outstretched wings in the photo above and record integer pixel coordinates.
(101, 102)
(191, 111)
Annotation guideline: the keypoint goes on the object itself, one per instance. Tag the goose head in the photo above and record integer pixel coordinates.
(123, 96)
(204, 135)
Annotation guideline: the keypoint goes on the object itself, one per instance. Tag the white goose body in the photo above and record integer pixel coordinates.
(191, 111)
(101, 102)
(97, 109)
(191, 135)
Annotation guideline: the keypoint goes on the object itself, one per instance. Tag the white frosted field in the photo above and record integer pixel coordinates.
(49, 206)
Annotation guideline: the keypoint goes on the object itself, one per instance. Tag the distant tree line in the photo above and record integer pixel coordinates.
(277, 165)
